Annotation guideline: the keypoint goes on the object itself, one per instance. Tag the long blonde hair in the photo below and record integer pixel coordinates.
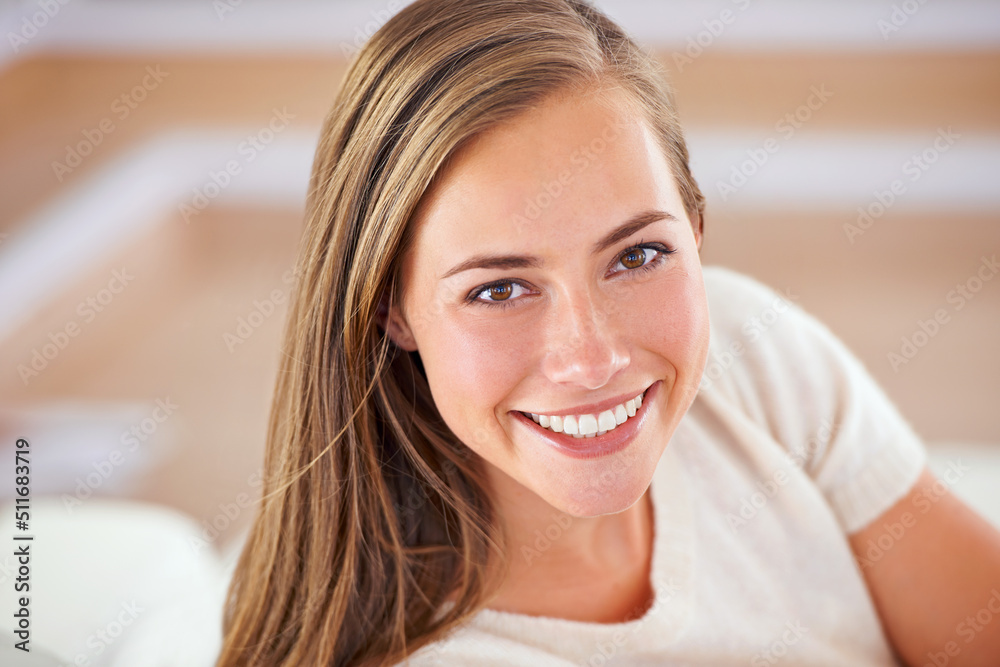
(373, 513)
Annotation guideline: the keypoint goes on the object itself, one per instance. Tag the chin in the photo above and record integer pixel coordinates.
(591, 504)
(604, 486)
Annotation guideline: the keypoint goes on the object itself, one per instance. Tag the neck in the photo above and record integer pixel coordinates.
(585, 568)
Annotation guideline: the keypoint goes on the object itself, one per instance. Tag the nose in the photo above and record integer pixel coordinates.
(585, 346)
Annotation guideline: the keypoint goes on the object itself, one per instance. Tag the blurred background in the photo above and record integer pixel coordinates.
(154, 158)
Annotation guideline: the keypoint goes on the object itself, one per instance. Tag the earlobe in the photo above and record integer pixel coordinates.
(394, 323)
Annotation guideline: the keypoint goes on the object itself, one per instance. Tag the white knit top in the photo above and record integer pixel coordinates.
(788, 446)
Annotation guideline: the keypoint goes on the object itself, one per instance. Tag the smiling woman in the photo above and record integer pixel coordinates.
(550, 340)
(493, 439)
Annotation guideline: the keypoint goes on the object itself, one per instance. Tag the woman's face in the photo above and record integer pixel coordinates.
(554, 271)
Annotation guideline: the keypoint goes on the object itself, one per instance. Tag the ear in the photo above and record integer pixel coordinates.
(392, 320)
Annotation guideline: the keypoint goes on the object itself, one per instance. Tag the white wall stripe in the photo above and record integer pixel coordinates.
(321, 26)
(147, 185)
(813, 170)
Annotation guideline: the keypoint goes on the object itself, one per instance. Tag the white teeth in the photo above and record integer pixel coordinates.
(620, 415)
(606, 421)
(569, 425)
(589, 426)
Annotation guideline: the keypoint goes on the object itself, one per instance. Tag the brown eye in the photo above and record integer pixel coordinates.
(501, 292)
(633, 259)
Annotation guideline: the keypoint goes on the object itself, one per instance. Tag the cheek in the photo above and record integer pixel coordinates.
(471, 367)
(671, 319)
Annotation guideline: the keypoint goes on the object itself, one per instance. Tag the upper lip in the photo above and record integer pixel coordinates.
(592, 408)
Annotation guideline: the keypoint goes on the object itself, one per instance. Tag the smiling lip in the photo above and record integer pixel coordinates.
(590, 408)
(599, 445)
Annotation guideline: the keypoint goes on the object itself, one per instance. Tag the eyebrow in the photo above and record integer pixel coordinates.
(623, 231)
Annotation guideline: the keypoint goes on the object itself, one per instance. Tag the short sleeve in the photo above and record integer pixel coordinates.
(795, 378)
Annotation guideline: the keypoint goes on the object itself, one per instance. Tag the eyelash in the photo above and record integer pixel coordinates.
(662, 251)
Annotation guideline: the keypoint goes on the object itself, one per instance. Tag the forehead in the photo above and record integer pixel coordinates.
(576, 163)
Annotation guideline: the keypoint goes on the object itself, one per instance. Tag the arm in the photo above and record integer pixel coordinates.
(939, 562)
(932, 566)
